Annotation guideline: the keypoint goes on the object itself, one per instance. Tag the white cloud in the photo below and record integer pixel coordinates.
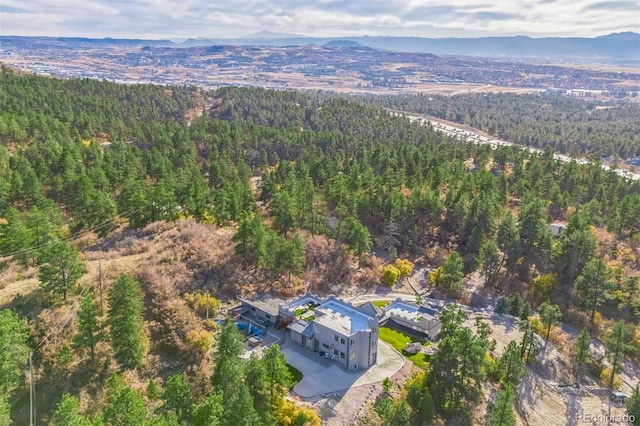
(330, 18)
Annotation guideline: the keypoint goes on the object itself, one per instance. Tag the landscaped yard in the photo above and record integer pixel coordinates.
(380, 303)
(296, 375)
(399, 340)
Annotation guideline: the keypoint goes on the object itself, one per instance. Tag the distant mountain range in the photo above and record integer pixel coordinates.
(623, 47)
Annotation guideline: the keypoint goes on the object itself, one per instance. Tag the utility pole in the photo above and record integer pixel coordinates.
(31, 392)
(100, 285)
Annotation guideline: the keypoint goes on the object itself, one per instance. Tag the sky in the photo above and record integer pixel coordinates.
(174, 19)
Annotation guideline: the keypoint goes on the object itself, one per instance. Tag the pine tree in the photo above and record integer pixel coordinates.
(89, 330)
(5, 411)
(61, 269)
(177, 398)
(209, 411)
(617, 347)
(68, 413)
(357, 237)
(229, 378)
(489, 261)
(125, 406)
(550, 316)
(594, 285)
(633, 405)
(582, 348)
(502, 413)
(511, 364)
(450, 280)
(126, 321)
(14, 351)
(277, 373)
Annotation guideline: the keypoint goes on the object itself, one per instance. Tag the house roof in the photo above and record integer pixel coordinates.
(298, 326)
(300, 301)
(410, 311)
(369, 309)
(341, 317)
(265, 303)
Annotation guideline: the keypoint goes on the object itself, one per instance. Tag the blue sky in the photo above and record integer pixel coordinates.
(321, 18)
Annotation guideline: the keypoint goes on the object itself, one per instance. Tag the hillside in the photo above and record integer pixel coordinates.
(187, 199)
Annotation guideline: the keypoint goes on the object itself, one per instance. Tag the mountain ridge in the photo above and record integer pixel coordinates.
(624, 46)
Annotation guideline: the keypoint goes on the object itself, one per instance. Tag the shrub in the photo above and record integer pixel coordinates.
(390, 275)
(404, 267)
(502, 305)
(605, 376)
(199, 342)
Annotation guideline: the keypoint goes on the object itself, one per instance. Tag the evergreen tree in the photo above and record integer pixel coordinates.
(277, 373)
(126, 322)
(582, 348)
(89, 330)
(511, 364)
(489, 261)
(593, 285)
(61, 268)
(502, 413)
(633, 405)
(450, 280)
(177, 398)
(550, 316)
(208, 412)
(357, 237)
(14, 351)
(125, 407)
(229, 378)
(502, 305)
(420, 401)
(616, 343)
(5, 411)
(15, 236)
(458, 369)
(68, 413)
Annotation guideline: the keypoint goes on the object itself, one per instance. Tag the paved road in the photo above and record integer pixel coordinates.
(470, 136)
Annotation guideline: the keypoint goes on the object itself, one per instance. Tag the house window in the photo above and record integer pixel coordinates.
(324, 345)
(342, 341)
(335, 337)
(353, 341)
(342, 355)
(352, 356)
(253, 309)
(335, 352)
(268, 316)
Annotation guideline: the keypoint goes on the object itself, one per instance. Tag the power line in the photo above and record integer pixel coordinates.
(70, 237)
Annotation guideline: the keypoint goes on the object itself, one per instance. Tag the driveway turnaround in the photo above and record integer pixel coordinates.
(322, 376)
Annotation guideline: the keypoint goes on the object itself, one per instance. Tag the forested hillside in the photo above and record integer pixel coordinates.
(306, 191)
(566, 124)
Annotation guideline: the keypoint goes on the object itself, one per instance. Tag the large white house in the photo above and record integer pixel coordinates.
(334, 329)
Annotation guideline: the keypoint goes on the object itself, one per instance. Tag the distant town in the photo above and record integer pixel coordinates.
(336, 66)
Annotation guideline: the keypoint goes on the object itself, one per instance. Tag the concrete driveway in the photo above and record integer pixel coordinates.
(322, 376)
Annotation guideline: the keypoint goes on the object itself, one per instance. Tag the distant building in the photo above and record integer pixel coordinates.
(418, 318)
(557, 228)
(334, 328)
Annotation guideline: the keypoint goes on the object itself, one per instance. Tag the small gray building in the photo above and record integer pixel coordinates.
(419, 318)
(263, 309)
